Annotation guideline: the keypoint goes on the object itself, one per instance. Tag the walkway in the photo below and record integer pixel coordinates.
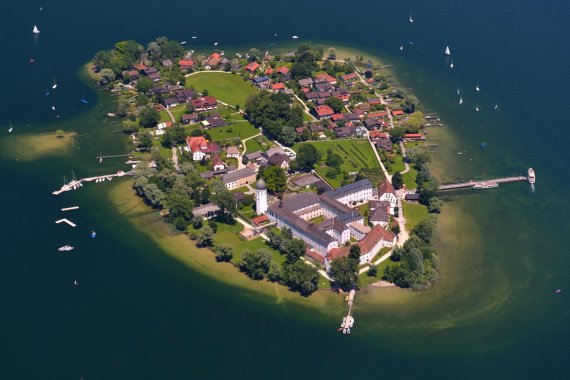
(175, 159)
(386, 174)
(407, 166)
(307, 109)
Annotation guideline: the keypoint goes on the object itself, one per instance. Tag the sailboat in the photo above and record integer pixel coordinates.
(36, 30)
(83, 100)
(215, 44)
(47, 91)
(458, 91)
(451, 64)
(461, 100)
(295, 37)
(53, 108)
(496, 106)
(411, 19)
(194, 37)
(401, 47)
(183, 43)
(54, 84)
(476, 109)
(11, 128)
(447, 51)
(477, 87)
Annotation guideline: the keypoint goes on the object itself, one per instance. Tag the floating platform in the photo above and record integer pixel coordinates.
(70, 208)
(66, 221)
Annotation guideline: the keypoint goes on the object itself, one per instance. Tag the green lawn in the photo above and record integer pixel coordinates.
(414, 214)
(410, 178)
(228, 88)
(240, 129)
(365, 279)
(229, 235)
(355, 153)
(252, 146)
(307, 118)
(397, 166)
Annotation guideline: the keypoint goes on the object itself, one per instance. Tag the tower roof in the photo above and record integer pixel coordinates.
(261, 185)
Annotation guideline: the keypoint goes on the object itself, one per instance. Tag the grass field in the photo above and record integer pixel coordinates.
(410, 178)
(414, 214)
(355, 153)
(229, 235)
(228, 88)
(241, 129)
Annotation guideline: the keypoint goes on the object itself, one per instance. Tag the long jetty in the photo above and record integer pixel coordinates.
(77, 183)
(101, 157)
(472, 183)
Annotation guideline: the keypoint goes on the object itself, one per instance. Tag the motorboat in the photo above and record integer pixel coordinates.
(531, 176)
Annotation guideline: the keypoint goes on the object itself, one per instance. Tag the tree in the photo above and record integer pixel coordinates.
(331, 173)
(142, 100)
(425, 230)
(373, 271)
(254, 54)
(144, 85)
(224, 199)
(335, 103)
(223, 253)
(107, 75)
(255, 264)
(149, 118)
(274, 273)
(332, 53)
(354, 252)
(368, 74)
(205, 237)
(301, 277)
(397, 134)
(434, 205)
(333, 160)
(275, 179)
(307, 157)
(145, 140)
(288, 136)
(398, 180)
(343, 271)
(409, 104)
(295, 249)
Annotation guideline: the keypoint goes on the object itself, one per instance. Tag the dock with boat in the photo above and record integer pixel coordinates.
(348, 321)
(77, 183)
(490, 183)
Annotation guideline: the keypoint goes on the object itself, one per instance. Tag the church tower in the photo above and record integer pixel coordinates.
(260, 197)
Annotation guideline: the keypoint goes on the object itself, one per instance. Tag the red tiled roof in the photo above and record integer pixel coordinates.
(377, 134)
(348, 76)
(386, 187)
(260, 219)
(378, 114)
(337, 116)
(413, 136)
(366, 245)
(278, 86)
(283, 70)
(215, 56)
(315, 255)
(324, 111)
(269, 71)
(252, 66)
(397, 112)
(186, 63)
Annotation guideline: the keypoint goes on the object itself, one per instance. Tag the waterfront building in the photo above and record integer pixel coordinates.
(207, 211)
(370, 245)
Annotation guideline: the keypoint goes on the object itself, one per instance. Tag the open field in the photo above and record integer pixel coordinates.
(240, 129)
(228, 88)
(414, 214)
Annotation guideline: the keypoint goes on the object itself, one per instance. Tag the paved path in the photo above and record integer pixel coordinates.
(307, 109)
(175, 159)
(385, 257)
(403, 149)
(169, 114)
(386, 174)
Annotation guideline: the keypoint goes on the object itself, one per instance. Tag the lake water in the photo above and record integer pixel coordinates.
(139, 314)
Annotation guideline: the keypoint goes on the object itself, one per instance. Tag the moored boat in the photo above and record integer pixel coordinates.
(65, 248)
(531, 176)
(485, 185)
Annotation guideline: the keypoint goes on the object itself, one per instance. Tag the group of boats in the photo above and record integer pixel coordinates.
(346, 325)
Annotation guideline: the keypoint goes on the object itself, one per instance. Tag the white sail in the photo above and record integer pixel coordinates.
(477, 87)
(411, 19)
(451, 64)
(36, 30)
(461, 100)
(447, 51)
(401, 47)
(11, 128)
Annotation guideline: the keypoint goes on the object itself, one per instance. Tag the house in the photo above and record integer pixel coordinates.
(325, 78)
(307, 82)
(324, 112)
(384, 144)
(305, 180)
(349, 77)
(359, 191)
(374, 101)
(189, 118)
(155, 77)
(278, 87)
(239, 178)
(217, 163)
(337, 117)
(275, 150)
(413, 197)
(398, 112)
(207, 211)
(213, 60)
(205, 103)
(282, 70)
(387, 193)
(184, 95)
(378, 114)
(140, 68)
(254, 156)
(346, 131)
(201, 148)
(214, 121)
(166, 63)
(186, 63)
(281, 160)
(130, 75)
(171, 102)
(324, 87)
(165, 125)
(376, 134)
(268, 71)
(252, 67)
(358, 231)
(259, 80)
(232, 152)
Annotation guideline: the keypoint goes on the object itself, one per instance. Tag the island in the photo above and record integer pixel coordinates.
(299, 166)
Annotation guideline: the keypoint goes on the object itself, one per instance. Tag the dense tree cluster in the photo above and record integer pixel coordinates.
(274, 113)
(307, 157)
(305, 61)
(417, 259)
(275, 178)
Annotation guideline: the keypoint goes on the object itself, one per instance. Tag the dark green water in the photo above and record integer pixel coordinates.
(139, 314)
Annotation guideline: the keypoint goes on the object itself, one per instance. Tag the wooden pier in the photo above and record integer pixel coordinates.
(70, 208)
(77, 183)
(472, 183)
(66, 221)
(101, 157)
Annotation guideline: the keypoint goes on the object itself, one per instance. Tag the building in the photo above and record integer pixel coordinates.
(205, 103)
(218, 164)
(324, 111)
(387, 193)
(207, 211)
(232, 152)
(253, 66)
(281, 160)
(370, 245)
(380, 212)
(282, 70)
(260, 197)
(239, 178)
(200, 148)
(359, 191)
